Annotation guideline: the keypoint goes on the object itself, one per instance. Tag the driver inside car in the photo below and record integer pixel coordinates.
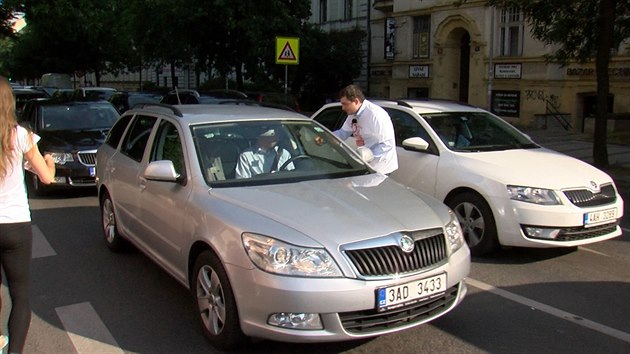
(265, 157)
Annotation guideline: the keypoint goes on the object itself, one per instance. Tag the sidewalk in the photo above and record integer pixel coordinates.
(579, 146)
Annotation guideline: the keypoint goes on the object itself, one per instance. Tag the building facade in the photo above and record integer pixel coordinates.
(481, 55)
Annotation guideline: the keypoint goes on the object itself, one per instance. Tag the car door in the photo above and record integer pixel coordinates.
(163, 205)
(126, 169)
(417, 169)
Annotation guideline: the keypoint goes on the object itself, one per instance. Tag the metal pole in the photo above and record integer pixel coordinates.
(286, 78)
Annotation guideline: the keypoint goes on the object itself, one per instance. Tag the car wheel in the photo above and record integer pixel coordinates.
(477, 221)
(215, 303)
(113, 240)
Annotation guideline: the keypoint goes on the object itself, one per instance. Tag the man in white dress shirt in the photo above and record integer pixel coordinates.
(265, 157)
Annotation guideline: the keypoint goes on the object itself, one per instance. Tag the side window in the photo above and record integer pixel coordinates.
(136, 140)
(332, 118)
(168, 146)
(117, 131)
(406, 126)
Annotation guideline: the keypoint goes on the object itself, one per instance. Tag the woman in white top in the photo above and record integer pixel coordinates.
(17, 146)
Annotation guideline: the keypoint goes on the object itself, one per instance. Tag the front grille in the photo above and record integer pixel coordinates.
(581, 233)
(370, 321)
(586, 198)
(391, 260)
(87, 158)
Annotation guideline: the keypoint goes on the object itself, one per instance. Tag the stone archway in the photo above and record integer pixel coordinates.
(458, 72)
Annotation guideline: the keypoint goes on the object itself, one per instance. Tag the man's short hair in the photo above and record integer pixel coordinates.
(352, 92)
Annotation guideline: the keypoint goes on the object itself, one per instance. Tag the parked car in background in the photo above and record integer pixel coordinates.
(103, 93)
(22, 95)
(225, 93)
(188, 96)
(125, 100)
(319, 248)
(505, 189)
(176, 97)
(276, 98)
(70, 131)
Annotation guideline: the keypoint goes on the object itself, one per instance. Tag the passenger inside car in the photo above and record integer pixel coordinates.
(265, 157)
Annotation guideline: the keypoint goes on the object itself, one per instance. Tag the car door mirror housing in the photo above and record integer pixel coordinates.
(162, 170)
(416, 143)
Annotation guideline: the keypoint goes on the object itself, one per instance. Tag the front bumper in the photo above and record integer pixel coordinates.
(347, 307)
(559, 225)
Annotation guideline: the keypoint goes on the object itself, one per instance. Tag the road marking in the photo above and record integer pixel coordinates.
(552, 310)
(41, 247)
(582, 248)
(86, 330)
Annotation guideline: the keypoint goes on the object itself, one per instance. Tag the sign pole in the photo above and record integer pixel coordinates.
(286, 78)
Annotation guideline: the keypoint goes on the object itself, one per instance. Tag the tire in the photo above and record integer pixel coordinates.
(113, 239)
(215, 303)
(478, 224)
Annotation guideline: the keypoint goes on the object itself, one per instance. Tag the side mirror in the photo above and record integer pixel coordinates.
(162, 170)
(365, 153)
(417, 144)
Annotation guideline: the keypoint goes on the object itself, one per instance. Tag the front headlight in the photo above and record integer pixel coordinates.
(533, 195)
(278, 257)
(61, 158)
(454, 233)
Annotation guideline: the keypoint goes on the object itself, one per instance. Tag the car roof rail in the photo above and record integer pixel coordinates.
(175, 111)
(437, 100)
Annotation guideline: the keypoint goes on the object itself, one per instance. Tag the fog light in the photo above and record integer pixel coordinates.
(539, 232)
(59, 180)
(294, 320)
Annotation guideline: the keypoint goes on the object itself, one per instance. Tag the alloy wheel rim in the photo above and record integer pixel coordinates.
(109, 221)
(210, 300)
(471, 221)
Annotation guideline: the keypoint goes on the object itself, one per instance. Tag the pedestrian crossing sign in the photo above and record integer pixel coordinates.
(287, 50)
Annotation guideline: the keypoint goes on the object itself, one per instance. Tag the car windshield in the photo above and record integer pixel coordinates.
(268, 152)
(78, 117)
(476, 131)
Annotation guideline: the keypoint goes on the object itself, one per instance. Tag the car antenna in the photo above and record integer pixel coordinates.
(177, 94)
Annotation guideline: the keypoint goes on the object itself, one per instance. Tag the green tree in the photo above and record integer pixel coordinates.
(584, 30)
(68, 35)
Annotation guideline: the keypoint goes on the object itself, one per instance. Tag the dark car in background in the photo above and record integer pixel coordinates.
(70, 131)
(22, 95)
(271, 99)
(125, 100)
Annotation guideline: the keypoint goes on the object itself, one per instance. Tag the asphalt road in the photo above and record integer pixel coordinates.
(89, 300)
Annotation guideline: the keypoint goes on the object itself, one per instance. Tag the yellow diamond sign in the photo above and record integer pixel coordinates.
(287, 50)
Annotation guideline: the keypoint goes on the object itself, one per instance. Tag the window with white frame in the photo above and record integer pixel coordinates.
(511, 32)
(323, 11)
(347, 10)
(421, 36)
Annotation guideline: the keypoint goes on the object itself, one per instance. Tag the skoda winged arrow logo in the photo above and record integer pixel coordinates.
(406, 244)
(594, 186)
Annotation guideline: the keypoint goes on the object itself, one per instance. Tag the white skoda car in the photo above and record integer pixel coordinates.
(505, 189)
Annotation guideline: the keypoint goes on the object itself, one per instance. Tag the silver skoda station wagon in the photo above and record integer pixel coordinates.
(279, 230)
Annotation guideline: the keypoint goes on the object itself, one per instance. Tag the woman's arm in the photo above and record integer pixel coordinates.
(43, 166)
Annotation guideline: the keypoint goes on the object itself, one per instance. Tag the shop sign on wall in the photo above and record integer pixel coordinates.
(506, 103)
(507, 71)
(418, 71)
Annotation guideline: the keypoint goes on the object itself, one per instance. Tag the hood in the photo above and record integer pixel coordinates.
(339, 210)
(73, 140)
(538, 167)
